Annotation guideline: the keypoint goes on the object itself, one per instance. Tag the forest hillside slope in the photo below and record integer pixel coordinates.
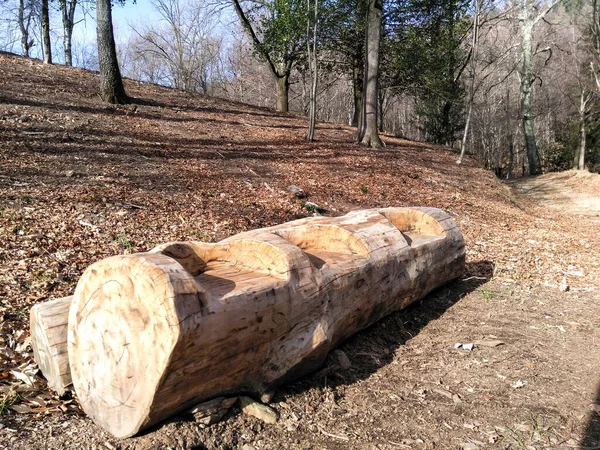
(81, 180)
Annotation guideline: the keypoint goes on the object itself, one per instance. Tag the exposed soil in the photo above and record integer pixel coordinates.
(81, 180)
(573, 193)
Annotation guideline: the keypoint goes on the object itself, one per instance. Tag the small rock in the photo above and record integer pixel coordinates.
(563, 287)
(493, 437)
(267, 396)
(69, 173)
(469, 446)
(469, 346)
(313, 207)
(297, 191)
(519, 384)
(212, 411)
(258, 410)
(342, 359)
(248, 447)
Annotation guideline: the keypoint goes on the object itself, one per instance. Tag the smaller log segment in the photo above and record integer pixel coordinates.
(49, 341)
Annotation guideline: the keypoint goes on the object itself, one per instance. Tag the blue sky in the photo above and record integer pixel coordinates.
(84, 33)
(139, 12)
(123, 16)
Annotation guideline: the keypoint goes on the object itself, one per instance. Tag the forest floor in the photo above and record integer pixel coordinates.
(81, 180)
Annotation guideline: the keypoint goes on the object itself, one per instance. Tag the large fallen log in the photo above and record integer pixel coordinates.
(154, 333)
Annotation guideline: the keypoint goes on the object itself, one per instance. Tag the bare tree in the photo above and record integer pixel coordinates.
(585, 100)
(583, 71)
(25, 17)
(181, 41)
(67, 9)
(472, 65)
(595, 34)
(530, 15)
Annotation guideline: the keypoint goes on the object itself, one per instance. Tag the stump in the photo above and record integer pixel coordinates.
(155, 333)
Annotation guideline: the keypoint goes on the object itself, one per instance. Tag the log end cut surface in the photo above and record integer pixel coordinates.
(125, 307)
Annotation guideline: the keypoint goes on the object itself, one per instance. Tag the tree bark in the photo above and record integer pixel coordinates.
(68, 20)
(154, 333)
(369, 134)
(111, 83)
(46, 32)
(283, 85)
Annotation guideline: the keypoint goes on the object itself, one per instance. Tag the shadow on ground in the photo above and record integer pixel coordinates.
(591, 438)
(380, 340)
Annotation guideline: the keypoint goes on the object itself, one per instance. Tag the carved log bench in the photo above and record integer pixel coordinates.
(154, 333)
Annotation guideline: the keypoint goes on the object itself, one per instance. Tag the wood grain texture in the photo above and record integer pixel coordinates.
(154, 333)
(48, 323)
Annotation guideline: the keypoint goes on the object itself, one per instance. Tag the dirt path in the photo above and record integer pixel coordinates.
(575, 193)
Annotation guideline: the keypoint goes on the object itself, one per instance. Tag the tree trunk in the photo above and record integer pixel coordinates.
(26, 44)
(472, 63)
(447, 134)
(46, 33)
(283, 86)
(511, 157)
(369, 134)
(357, 84)
(68, 19)
(463, 144)
(579, 163)
(154, 333)
(528, 21)
(111, 83)
(381, 99)
(312, 56)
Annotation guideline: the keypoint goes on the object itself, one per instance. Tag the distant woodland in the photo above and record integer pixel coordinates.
(516, 83)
